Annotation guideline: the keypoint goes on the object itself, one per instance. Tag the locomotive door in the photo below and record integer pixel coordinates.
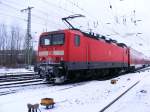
(78, 52)
(125, 57)
(124, 53)
(88, 54)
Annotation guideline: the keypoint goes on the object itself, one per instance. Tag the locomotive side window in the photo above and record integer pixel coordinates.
(77, 40)
(52, 39)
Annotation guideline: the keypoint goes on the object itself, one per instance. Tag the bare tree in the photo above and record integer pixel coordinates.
(12, 41)
(3, 42)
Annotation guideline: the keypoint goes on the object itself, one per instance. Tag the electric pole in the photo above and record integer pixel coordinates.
(28, 45)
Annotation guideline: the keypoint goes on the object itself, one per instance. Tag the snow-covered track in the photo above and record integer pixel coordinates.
(116, 99)
(18, 77)
(7, 92)
(143, 69)
(15, 73)
(21, 83)
(13, 87)
(70, 86)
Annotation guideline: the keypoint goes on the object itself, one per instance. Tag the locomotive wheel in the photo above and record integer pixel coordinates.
(105, 72)
(60, 80)
(91, 74)
(74, 76)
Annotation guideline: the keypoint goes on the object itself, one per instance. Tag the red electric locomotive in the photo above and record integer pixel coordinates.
(71, 54)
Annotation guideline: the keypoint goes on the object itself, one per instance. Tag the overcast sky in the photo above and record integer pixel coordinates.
(124, 20)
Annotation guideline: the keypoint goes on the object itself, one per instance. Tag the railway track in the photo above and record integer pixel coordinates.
(143, 69)
(7, 92)
(13, 87)
(117, 98)
(18, 81)
(124, 92)
(10, 88)
(12, 82)
(18, 77)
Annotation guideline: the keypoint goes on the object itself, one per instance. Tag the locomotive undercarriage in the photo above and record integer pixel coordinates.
(63, 72)
(51, 72)
(57, 73)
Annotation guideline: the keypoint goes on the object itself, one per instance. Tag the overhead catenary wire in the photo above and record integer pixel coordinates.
(42, 12)
(35, 16)
(67, 11)
(39, 9)
(91, 16)
(56, 6)
(119, 18)
(20, 18)
(75, 5)
(41, 18)
(88, 15)
(18, 10)
(10, 6)
(24, 20)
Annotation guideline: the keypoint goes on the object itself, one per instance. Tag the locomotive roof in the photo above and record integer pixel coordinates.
(90, 35)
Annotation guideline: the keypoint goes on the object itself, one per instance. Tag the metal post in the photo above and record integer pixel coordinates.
(28, 46)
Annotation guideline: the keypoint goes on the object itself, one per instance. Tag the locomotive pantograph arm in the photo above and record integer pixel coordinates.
(71, 17)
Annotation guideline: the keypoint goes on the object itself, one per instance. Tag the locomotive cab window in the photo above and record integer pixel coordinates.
(77, 40)
(58, 39)
(52, 39)
(45, 41)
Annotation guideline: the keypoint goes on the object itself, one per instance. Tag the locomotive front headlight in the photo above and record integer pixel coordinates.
(61, 59)
(40, 59)
(43, 59)
(49, 60)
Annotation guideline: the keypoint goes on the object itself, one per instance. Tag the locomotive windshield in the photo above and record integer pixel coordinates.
(52, 39)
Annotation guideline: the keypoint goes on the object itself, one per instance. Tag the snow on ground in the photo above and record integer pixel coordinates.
(88, 96)
(136, 100)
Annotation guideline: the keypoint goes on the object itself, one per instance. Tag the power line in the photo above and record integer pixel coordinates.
(10, 6)
(23, 19)
(41, 18)
(14, 3)
(56, 6)
(39, 10)
(49, 12)
(4, 14)
(38, 17)
(90, 16)
(69, 1)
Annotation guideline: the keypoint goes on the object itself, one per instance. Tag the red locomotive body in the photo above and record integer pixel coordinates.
(67, 54)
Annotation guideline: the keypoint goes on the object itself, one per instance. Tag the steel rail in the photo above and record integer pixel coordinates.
(116, 99)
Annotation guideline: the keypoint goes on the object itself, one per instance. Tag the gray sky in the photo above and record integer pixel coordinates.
(124, 20)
